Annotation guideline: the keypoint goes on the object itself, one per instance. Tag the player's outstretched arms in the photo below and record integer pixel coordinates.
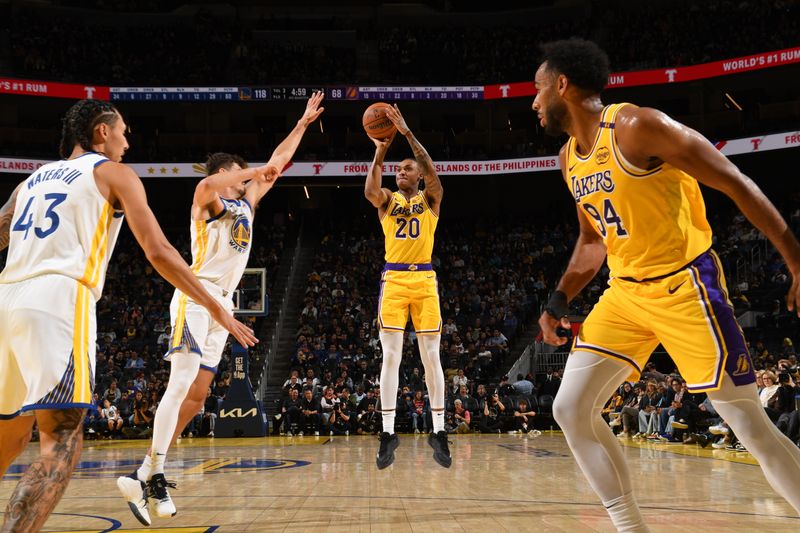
(434, 192)
(645, 132)
(378, 196)
(207, 191)
(585, 262)
(283, 153)
(6, 213)
(127, 191)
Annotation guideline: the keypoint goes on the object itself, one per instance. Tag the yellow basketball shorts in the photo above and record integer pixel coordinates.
(689, 313)
(47, 345)
(414, 293)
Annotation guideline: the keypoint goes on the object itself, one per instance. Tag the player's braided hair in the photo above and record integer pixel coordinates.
(220, 160)
(79, 123)
(583, 62)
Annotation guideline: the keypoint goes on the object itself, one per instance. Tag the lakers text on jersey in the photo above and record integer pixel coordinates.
(408, 282)
(62, 234)
(667, 285)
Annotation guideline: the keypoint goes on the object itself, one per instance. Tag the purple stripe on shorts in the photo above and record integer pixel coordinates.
(738, 364)
(380, 302)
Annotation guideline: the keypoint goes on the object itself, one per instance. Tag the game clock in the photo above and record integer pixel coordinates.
(294, 93)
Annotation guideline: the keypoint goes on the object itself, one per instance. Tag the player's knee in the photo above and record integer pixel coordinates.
(61, 425)
(11, 445)
(179, 387)
(564, 410)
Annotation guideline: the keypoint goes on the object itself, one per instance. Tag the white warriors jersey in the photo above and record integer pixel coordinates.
(221, 244)
(63, 225)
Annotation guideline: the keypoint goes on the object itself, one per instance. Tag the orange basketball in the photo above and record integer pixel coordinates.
(376, 123)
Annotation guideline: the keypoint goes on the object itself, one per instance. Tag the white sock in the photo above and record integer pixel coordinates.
(392, 345)
(388, 421)
(158, 463)
(438, 421)
(625, 514)
(143, 472)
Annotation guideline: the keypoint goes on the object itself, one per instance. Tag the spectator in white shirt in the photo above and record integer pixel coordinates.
(459, 379)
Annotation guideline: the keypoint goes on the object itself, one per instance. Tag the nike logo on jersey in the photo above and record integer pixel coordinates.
(673, 289)
(573, 166)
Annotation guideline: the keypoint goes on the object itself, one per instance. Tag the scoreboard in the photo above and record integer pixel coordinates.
(296, 93)
(288, 93)
(228, 94)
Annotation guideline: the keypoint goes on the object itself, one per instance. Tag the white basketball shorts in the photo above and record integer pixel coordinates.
(193, 328)
(47, 345)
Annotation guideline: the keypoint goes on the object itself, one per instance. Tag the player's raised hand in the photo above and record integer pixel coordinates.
(313, 110)
(268, 173)
(243, 334)
(550, 328)
(393, 112)
(383, 144)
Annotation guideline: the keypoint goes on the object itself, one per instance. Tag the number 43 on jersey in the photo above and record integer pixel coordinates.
(41, 228)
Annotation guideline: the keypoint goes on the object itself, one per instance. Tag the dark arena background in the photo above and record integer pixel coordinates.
(191, 79)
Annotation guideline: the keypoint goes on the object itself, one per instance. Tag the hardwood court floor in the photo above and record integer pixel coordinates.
(497, 483)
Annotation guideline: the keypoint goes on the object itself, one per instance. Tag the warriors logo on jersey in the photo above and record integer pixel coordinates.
(240, 234)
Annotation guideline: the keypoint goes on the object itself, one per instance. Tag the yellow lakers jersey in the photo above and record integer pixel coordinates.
(408, 228)
(653, 222)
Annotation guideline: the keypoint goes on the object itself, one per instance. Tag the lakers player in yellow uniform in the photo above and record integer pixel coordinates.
(223, 211)
(60, 226)
(408, 217)
(634, 174)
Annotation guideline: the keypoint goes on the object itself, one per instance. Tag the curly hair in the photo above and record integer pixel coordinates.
(583, 62)
(220, 160)
(79, 122)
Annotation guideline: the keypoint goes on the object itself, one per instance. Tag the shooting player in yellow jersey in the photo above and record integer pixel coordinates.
(408, 217)
(634, 175)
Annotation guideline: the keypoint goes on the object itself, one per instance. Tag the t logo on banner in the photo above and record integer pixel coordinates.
(671, 74)
(89, 92)
(504, 90)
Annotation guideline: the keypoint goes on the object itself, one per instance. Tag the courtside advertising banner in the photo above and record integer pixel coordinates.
(304, 169)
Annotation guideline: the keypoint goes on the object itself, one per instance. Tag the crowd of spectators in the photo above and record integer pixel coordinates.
(660, 407)
(312, 405)
(228, 50)
(491, 277)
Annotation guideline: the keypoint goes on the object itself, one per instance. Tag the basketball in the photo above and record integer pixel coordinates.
(376, 123)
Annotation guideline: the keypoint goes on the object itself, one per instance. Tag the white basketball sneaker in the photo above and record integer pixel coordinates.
(158, 486)
(135, 493)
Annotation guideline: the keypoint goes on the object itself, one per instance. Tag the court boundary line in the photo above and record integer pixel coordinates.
(485, 500)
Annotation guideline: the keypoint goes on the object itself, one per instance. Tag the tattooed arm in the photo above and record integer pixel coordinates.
(433, 185)
(43, 484)
(6, 213)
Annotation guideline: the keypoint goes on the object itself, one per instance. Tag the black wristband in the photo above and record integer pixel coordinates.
(557, 306)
